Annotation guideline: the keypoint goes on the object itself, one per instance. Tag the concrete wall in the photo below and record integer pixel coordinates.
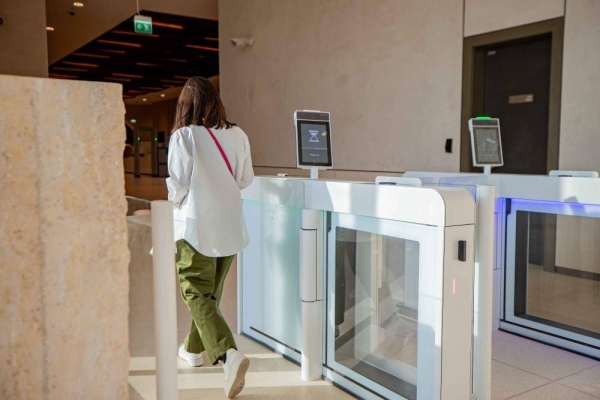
(580, 117)
(388, 70)
(63, 241)
(23, 45)
(390, 73)
(483, 16)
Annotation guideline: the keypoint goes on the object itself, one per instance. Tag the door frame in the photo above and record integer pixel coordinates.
(473, 78)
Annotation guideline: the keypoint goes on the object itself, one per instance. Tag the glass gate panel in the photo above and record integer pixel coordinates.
(553, 269)
(271, 285)
(379, 331)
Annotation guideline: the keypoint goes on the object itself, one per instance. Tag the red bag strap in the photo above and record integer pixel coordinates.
(220, 150)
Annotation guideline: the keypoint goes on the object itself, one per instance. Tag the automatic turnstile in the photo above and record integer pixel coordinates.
(370, 286)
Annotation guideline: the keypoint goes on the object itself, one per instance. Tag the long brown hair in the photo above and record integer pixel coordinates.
(199, 104)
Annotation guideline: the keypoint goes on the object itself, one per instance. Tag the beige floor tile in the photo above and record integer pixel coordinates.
(508, 381)
(133, 394)
(545, 361)
(303, 393)
(553, 391)
(587, 381)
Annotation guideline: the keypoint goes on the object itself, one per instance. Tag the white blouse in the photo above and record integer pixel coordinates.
(206, 197)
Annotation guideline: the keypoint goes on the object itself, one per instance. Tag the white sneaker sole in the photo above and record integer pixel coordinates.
(192, 362)
(237, 383)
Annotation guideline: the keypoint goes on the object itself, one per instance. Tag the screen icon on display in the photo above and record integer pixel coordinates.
(313, 136)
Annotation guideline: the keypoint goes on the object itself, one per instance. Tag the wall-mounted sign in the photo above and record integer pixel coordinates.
(520, 98)
(142, 24)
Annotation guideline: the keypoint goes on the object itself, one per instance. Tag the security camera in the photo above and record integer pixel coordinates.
(1, 20)
(242, 42)
(71, 13)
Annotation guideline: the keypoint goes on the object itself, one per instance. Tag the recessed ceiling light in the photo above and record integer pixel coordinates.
(62, 76)
(78, 64)
(169, 26)
(78, 4)
(162, 95)
(127, 75)
(90, 55)
(70, 69)
(50, 28)
(118, 43)
(144, 99)
(206, 48)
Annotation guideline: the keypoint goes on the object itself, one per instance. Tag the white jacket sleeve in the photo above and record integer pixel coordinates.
(248, 170)
(180, 169)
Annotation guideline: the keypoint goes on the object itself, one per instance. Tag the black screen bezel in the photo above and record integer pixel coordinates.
(303, 163)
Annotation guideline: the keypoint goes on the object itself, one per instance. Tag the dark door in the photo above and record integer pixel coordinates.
(516, 89)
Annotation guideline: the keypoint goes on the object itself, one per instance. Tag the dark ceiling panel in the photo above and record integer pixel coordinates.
(179, 47)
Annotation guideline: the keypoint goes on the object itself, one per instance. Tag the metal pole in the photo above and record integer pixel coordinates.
(165, 308)
(483, 290)
(136, 152)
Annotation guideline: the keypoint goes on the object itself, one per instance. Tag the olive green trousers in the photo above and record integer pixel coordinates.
(201, 279)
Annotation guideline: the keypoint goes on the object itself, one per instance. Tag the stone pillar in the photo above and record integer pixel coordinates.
(63, 241)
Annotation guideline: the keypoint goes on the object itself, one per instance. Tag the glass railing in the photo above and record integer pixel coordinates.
(272, 285)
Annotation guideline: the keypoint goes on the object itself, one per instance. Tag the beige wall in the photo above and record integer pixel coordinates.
(97, 17)
(23, 46)
(388, 70)
(63, 241)
(483, 16)
(580, 117)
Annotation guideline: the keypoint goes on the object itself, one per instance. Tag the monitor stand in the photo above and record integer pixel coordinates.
(314, 173)
(487, 170)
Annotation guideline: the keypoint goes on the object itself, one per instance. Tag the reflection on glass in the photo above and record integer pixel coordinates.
(557, 271)
(280, 262)
(376, 296)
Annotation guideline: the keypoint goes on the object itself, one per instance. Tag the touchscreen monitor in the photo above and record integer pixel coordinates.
(313, 139)
(486, 142)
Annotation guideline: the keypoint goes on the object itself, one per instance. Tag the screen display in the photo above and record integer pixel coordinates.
(314, 143)
(487, 145)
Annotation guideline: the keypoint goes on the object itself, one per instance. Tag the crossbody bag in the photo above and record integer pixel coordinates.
(220, 150)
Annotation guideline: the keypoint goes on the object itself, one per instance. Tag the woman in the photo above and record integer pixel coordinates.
(209, 162)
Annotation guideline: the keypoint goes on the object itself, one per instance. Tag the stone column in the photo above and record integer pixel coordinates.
(63, 241)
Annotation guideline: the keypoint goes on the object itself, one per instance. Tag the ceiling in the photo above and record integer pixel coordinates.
(178, 48)
(72, 31)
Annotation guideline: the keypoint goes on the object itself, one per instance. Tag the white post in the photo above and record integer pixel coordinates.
(483, 290)
(165, 307)
(311, 294)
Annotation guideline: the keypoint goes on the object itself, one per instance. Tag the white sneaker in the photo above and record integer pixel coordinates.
(194, 360)
(235, 372)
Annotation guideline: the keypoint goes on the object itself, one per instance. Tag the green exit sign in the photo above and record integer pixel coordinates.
(142, 24)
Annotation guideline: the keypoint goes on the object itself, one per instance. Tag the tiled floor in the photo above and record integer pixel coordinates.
(521, 369)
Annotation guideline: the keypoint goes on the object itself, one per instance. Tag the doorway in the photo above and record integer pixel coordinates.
(515, 75)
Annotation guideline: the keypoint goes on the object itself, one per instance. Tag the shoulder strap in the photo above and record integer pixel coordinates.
(220, 150)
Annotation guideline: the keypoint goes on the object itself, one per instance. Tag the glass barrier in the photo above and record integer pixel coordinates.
(553, 269)
(558, 271)
(135, 205)
(382, 314)
(376, 309)
(271, 287)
